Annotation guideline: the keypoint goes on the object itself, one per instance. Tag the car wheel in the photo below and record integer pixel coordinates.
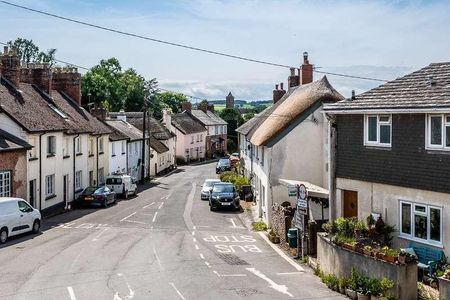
(211, 208)
(3, 235)
(36, 226)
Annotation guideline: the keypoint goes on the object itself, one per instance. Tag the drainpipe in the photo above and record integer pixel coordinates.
(126, 156)
(97, 183)
(74, 162)
(40, 170)
(331, 168)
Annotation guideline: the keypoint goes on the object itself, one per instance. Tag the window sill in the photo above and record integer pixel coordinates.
(91, 155)
(50, 155)
(101, 152)
(442, 151)
(420, 241)
(378, 147)
(79, 154)
(50, 197)
(33, 158)
(113, 155)
(66, 156)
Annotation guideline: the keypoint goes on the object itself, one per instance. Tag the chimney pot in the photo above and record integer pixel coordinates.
(353, 95)
(276, 87)
(281, 86)
(306, 70)
(305, 57)
(5, 50)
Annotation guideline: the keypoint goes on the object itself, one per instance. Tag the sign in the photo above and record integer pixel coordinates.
(298, 222)
(302, 196)
(292, 191)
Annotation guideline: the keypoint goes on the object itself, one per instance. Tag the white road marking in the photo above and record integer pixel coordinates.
(194, 240)
(278, 287)
(130, 291)
(207, 264)
(157, 258)
(98, 235)
(202, 256)
(65, 225)
(75, 261)
(195, 227)
(201, 226)
(85, 226)
(197, 247)
(128, 216)
(193, 232)
(154, 217)
(229, 275)
(149, 205)
(281, 253)
(290, 273)
(161, 205)
(178, 292)
(232, 222)
(71, 293)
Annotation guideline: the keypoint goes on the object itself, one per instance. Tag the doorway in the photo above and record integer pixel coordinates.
(65, 187)
(32, 193)
(350, 204)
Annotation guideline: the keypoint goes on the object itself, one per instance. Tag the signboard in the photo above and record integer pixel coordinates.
(298, 220)
(292, 191)
(302, 196)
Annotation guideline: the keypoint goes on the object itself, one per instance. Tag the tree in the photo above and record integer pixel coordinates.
(248, 116)
(28, 52)
(234, 120)
(171, 100)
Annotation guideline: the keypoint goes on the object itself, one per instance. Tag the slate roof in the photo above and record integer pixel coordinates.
(186, 123)
(9, 142)
(208, 118)
(158, 146)
(156, 128)
(273, 120)
(411, 91)
(126, 129)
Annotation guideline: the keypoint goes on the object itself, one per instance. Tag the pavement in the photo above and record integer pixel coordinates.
(162, 244)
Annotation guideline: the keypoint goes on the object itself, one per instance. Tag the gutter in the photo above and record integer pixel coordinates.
(385, 110)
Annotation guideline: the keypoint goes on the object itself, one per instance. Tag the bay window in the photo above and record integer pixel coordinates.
(421, 222)
(438, 131)
(378, 130)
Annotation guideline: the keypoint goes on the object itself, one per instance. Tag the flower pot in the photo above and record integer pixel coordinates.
(368, 253)
(361, 296)
(349, 246)
(374, 297)
(351, 294)
(402, 259)
(379, 255)
(342, 291)
(390, 259)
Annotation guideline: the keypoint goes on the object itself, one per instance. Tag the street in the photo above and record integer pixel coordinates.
(162, 244)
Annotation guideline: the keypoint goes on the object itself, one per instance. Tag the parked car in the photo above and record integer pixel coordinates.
(17, 216)
(224, 195)
(97, 195)
(123, 185)
(236, 154)
(207, 187)
(224, 164)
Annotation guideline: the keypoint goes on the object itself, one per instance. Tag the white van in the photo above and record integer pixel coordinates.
(123, 185)
(16, 217)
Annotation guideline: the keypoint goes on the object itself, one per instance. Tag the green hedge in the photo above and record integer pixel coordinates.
(237, 180)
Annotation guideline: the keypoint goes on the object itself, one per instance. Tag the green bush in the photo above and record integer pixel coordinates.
(259, 226)
(237, 180)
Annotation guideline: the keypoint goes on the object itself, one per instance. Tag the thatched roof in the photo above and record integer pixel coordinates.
(290, 107)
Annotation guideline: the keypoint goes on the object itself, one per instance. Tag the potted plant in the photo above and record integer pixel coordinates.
(370, 221)
(352, 284)
(363, 288)
(360, 228)
(391, 255)
(386, 284)
(273, 237)
(367, 250)
(374, 287)
(404, 257)
(342, 284)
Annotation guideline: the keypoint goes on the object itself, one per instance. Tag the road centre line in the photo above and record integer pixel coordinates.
(194, 240)
(281, 253)
(202, 256)
(193, 233)
(178, 292)
(161, 205)
(149, 205)
(197, 247)
(71, 293)
(229, 275)
(128, 216)
(207, 264)
(154, 217)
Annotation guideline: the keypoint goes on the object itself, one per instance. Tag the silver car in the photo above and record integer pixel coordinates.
(207, 187)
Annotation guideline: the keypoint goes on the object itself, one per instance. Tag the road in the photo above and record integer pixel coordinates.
(163, 244)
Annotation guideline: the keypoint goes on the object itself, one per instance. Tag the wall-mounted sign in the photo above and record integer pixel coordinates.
(302, 196)
(292, 191)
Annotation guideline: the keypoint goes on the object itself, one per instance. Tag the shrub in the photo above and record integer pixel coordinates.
(259, 226)
(237, 180)
(226, 176)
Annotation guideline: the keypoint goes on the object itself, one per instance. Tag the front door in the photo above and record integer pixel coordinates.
(32, 193)
(350, 204)
(65, 189)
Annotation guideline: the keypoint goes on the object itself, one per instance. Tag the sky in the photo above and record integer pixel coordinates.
(379, 39)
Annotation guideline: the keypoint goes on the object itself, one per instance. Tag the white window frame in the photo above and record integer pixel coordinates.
(5, 183)
(78, 179)
(100, 145)
(444, 124)
(78, 145)
(427, 215)
(379, 123)
(66, 147)
(91, 146)
(51, 147)
(50, 185)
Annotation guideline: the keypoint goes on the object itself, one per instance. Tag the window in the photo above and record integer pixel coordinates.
(421, 222)
(51, 145)
(91, 178)
(438, 132)
(201, 137)
(224, 129)
(192, 141)
(100, 145)
(91, 146)
(24, 207)
(123, 147)
(78, 179)
(113, 149)
(78, 145)
(217, 129)
(135, 148)
(101, 176)
(66, 146)
(5, 184)
(378, 130)
(198, 138)
(33, 152)
(50, 185)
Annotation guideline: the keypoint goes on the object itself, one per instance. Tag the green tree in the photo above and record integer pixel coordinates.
(28, 52)
(248, 116)
(171, 100)
(234, 120)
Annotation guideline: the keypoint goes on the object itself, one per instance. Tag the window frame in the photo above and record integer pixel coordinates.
(426, 214)
(3, 179)
(100, 145)
(444, 124)
(78, 145)
(377, 143)
(51, 145)
(50, 185)
(78, 180)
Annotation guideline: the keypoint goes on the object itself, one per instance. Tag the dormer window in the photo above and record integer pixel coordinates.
(377, 130)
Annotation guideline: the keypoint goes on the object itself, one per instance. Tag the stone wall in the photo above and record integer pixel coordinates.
(281, 221)
(444, 289)
(15, 162)
(339, 261)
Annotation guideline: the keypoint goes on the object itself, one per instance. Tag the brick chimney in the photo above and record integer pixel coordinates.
(306, 70)
(38, 74)
(293, 80)
(10, 65)
(203, 106)
(99, 112)
(69, 82)
(278, 93)
(186, 106)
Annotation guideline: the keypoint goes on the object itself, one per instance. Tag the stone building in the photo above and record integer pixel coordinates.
(230, 101)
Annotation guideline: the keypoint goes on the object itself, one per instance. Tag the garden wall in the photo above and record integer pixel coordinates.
(444, 289)
(336, 260)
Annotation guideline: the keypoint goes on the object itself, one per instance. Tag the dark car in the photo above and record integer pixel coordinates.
(224, 195)
(97, 195)
(224, 164)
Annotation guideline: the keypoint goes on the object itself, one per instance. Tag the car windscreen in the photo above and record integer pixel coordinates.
(223, 188)
(224, 162)
(90, 190)
(209, 183)
(113, 180)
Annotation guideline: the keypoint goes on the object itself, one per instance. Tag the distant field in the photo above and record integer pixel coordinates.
(220, 107)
